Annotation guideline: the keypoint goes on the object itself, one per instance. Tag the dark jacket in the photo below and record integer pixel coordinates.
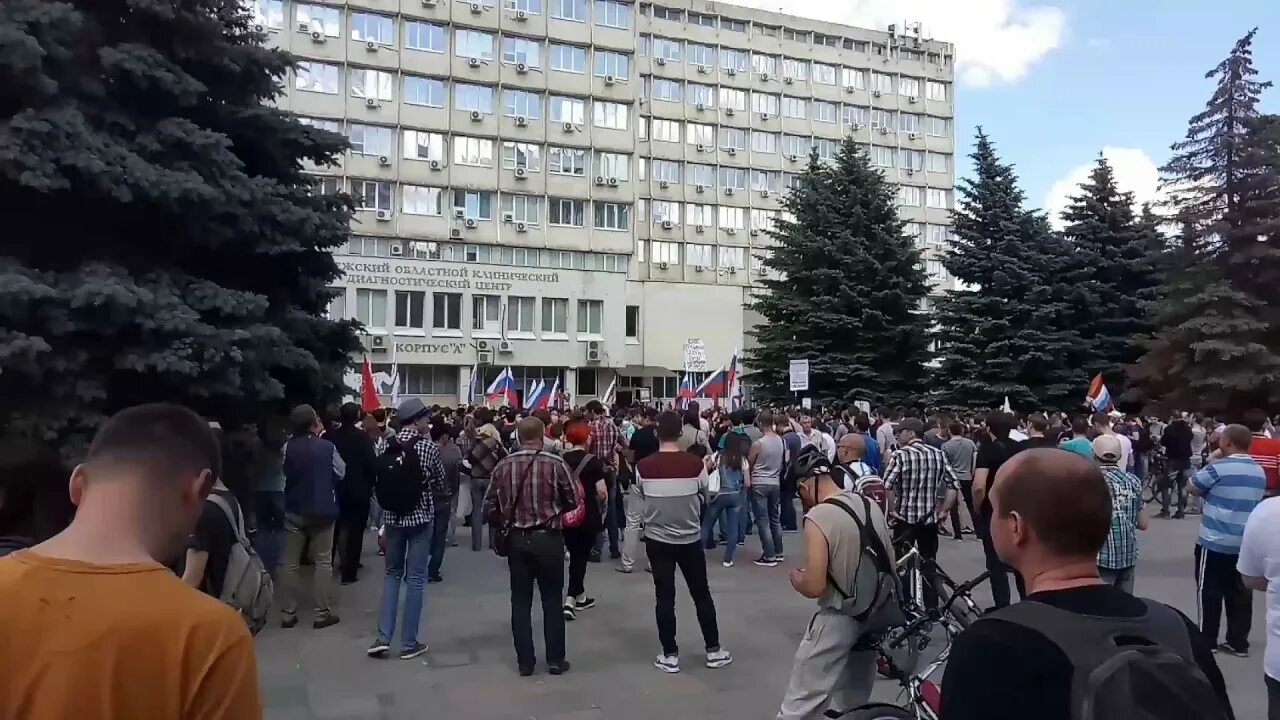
(11, 544)
(310, 477)
(356, 448)
(1177, 440)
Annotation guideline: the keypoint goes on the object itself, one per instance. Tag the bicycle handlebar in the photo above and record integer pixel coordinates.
(935, 614)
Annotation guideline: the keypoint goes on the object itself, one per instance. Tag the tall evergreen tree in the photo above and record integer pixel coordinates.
(1114, 267)
(1007, 332)
(1216, 342)
(848, 290)
(163, 241)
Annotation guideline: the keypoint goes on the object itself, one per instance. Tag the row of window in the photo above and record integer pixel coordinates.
(444, 379)
(370, 246)
(767, 106)
(367, 26)
(409, 310)
(699, 255)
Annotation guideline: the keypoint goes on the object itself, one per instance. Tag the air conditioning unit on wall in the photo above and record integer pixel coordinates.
(595, 352)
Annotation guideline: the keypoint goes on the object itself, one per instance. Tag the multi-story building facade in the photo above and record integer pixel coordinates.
(580, 189)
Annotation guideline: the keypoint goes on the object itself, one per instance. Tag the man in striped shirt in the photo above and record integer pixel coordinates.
(1231, 487)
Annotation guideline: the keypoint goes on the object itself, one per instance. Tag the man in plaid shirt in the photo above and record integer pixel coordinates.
(408, 538)
(923, 487)
(605, 442)
(1119, 555)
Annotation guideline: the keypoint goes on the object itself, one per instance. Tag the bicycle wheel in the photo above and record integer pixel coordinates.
(1149, 491)
(879, 711)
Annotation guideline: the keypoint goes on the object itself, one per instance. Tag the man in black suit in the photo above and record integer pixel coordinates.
(354, 490)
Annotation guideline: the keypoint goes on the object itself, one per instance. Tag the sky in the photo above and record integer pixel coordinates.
(1055, 82)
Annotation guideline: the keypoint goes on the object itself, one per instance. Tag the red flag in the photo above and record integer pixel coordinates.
(368, 393)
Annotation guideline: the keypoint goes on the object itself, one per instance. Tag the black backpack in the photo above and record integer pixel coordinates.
(398, 483)
(1132, 668)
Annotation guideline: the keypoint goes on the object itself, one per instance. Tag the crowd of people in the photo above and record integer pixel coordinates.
(166, 504)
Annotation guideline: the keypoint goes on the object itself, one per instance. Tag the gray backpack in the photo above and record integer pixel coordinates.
(1131, 668)
(247, 586)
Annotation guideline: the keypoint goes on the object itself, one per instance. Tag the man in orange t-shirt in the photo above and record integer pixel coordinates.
(1264, 450)
(92, 625)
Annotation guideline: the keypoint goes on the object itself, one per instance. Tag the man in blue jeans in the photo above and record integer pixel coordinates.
(446, 504)
(409, 539)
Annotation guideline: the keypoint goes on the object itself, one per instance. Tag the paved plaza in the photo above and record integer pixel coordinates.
(470, 670)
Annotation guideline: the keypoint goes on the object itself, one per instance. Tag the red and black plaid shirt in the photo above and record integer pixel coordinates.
(543, 484)
(603, 442)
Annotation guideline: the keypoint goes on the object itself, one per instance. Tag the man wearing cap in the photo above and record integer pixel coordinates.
(1119, 555)
(409, 538)
(923, 486)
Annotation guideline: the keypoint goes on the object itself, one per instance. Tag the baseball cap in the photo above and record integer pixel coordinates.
(1106, 448)
(912, 424)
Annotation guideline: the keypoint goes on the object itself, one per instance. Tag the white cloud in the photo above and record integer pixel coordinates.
(996, 41)
(1135, 172)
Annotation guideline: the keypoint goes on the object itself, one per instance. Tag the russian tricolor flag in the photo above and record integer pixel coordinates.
(716, 385)
(685, 393)
(538, 397)
(503, 386)
(1098, 398)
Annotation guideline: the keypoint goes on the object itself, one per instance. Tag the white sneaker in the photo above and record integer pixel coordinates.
(668, 663)
(727, 563)
(718, 659)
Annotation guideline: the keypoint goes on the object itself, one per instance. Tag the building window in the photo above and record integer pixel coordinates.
(701, 55)
(707, 21)
(328, 185)
(938, 198)
(909, 86)
(567, 161)
(422, 145)
(697, 174)
(664, 252)
(699, 134)
(765, 180)
(852, 78)
(423, 91)
(672, 14)
(825, 149)
(852, 116)
(520, 314)
(935, 90)
(733, 177)
(612, 64)
(372, 140)
(938, 126)
(575, 10)
(663, 387)
(472, 44)
(590, 317)
(316, 77)
(736, 60)
(763, 142)
(516, 50)
(268, 13)
(731, 99)
(334, 126)
(521, 155)
(566, 212)
(763, 220)
(881, 83)
(428, 380)
(882, 156)
(911, 160)
(411, 309)
(696, 255)
(423, 36)
(567, 110)
(764, 104)
(373, 84)
(801, 36)
(421, 200)
(555, 313)
(824, 74)
(612, 216)
(795, 69)
(372, 194)
(938, 162)
(764, 64)
(731, 217)
(523, 208)
(568, 58)
(337, 309)
(613, 14)
(794, 107)
(732, 257)
(733, 25)
(633, 322)
(613, 165)
(486, 313)
(473, 151)
(881, 119)
(910, 196)
(588, 382)
(446, 311)
(796, 145)
(378, 28)
(908, 122)
(668, 170)
(733, 138)
(700, 215)
(474, 204)
(704, 95)
(522, 103)
(533, 7)
(668, 90)
(477, 98)
(665, 130)
(371, 308)
(665, 211)
(313, 18)
(668, 50)
(824, 111)
(610, 115)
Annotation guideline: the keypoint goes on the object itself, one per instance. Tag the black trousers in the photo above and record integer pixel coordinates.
(348, 538)
(1273, 697)
(1221, 587)
(536, 556)
(924, 535)
(664, 558)
(579, 543)
(999, 571)
(1174, 480)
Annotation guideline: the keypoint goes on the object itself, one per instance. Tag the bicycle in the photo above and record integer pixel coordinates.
(911, 575)
(1157, 468)
(924, 697)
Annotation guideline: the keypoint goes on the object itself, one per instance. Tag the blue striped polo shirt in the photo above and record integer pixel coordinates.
(1231, 488)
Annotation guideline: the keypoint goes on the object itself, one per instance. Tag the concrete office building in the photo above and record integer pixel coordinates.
(578, 189)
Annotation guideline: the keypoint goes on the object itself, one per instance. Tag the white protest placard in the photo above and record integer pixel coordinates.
(799, 375)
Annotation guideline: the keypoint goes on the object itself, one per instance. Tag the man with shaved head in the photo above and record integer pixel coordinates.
(1051, 514)
(851, 451)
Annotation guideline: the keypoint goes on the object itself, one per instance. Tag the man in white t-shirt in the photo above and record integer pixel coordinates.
(1102, 423)
(1259, 564)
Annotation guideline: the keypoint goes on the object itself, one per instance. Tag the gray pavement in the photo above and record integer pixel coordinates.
(470, 669)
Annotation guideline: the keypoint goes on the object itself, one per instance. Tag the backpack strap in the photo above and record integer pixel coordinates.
(869, 539)
(232, 513)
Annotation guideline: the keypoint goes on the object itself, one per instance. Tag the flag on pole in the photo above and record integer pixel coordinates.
(555, 398)
(472, 380)
(368, 391)
(685, 393)
(734, 387)
(716, 385)
(1098, 398)
(541, 397)
(610, 393)
(503, 388)
(1007, 407)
